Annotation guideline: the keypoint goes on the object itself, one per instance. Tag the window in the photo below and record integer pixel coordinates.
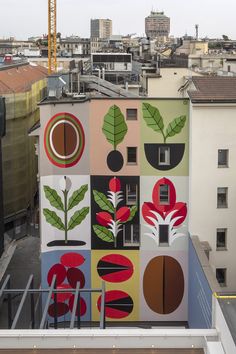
(132, 155)
(221, 276)
(163, 235)
(131, 235)
(131, 194)
(131, 114)
(221, 239)
(223, 158)
(164, 194)
(164, 155)
(222, 197)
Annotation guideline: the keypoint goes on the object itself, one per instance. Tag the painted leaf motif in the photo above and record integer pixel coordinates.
(103, 233)
(133, 211)
(175, 126)
(180, 212)
(53, 219)
(114, 126)
(102, 201)
(152, 117)
(77, 218)
(53, 198)
(77, 196)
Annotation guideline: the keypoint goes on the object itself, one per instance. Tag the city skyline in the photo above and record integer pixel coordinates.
(71, 20)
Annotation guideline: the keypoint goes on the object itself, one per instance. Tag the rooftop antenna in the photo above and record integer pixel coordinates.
(196, 28)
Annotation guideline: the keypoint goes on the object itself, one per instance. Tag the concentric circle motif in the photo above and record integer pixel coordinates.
(64, 140)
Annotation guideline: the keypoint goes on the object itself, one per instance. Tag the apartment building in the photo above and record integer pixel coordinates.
(157, 24)
(100, 28)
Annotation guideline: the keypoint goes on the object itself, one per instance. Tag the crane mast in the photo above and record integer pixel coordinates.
(52, 36)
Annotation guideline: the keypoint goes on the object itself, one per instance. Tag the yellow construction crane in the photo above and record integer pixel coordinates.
(52, 36)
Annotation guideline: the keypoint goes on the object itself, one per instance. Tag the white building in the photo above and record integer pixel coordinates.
(100, 28)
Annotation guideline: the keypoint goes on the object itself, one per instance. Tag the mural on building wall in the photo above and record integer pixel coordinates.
(69, 268)
(164, 215)
(115, 129)
(118, 304)
(115, 268)
(115, 214)
(165, 156)
(65, 205)
(64, 140)
(163, 284)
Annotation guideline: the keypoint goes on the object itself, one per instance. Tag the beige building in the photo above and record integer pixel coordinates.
(157, 24)
(100, 28)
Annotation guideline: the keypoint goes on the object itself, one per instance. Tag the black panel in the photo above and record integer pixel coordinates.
(101, 184)
(152, 155)
(2, 117)
(164, 234)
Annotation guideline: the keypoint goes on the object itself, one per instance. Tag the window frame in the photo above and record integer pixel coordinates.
(221, 206)
(136, 155)
(226, 165)
(167, 160)
(132, 244)
(127, 193)
(168, 193)
(221, 248)
(225, 277)
(132, 118)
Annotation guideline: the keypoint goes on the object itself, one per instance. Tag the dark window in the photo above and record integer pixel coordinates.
(223, 158)
(131, 235)
(221, 239)
(164, 194)
(163, 235)
(221, 276)
(164, 155)
(131, 155)
(131, 194)
(222, 197)
(131, 114)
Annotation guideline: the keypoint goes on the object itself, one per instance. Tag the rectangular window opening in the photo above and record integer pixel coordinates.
(163, 235)
(164, 155)
(131, 155)
(131, 194)
(221, 276)
(131, 235)
(222, 197)
(223, 157)
(164, 194)
(131, 114)
(221, 235)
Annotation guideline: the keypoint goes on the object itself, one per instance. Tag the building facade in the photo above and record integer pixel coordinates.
(157, 24)
(114, 206)
(100, 28)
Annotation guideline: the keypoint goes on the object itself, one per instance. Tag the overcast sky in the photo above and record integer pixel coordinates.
(25, 18)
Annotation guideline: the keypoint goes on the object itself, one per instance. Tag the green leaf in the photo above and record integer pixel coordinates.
(175, 126)
(77, 196)
(133, 211)
(102, 201)
(103, 233)
(53, 198)
(77, 218)
(152, 117)
(114, 126)
(53, 219)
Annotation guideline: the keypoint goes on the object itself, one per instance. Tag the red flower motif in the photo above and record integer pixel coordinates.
(104, 218)
(115, 185)
(181, 212)
(123, 214)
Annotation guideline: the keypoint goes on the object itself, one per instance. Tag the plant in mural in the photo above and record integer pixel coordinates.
(163, 156)
(65, 206)
(112, 218)
(163, 219)
(115, 129)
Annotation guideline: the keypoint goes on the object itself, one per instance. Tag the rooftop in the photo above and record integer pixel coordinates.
(213, 90)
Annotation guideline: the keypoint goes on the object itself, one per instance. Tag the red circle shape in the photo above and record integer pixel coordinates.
(74, 275)
(115, 268)
(62, 309)
(60, 271)
(72, 259)
(118, 304)
(83, 306)
(61, 297)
